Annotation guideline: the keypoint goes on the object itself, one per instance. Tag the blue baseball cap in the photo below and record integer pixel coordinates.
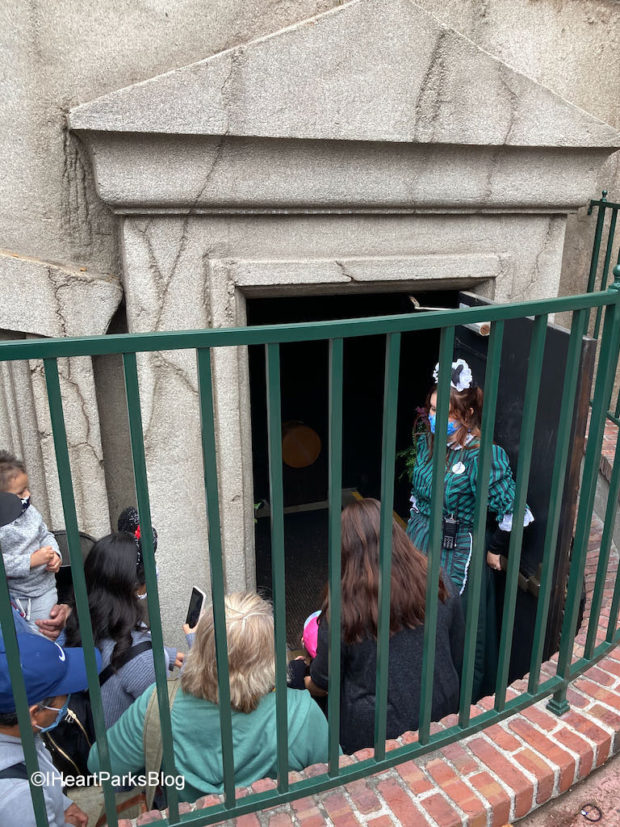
(48, 670)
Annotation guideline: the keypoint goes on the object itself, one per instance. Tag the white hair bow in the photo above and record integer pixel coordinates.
(461, 378)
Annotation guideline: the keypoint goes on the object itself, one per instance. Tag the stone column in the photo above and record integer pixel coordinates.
(41, 300)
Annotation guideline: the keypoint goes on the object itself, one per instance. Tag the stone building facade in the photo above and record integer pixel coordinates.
(164, 166)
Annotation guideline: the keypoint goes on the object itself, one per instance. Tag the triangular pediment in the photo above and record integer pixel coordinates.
(369, 70)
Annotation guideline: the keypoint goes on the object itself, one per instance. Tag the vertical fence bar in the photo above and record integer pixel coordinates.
(608, 251)
(478, 560)
(134, 414)
(596, 246)
(446, 348)
(7, 626)
(63, 464)
(274, 430)
(388, 458)
(603, 559)
(216, 566)
(608, 357)
(613, 611)
(567, 406)
(615, 603)
(526, 441)
(334, 546)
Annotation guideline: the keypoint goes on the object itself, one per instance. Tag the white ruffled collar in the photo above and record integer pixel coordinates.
(456, 446)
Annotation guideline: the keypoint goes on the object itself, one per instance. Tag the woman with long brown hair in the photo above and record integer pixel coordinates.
(360, 587)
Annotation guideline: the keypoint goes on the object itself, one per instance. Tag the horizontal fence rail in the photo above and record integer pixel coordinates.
(392, 328)
(281, 333)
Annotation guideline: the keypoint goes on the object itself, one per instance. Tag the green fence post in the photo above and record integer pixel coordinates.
(388, 456)
(596, 246)
(606, 262)
(63, 463)
(526, 441)
(571, 375)
(479, 551)
(608, 359)
(134, 413)
(209, 464)
(7, 626)
(334, 546)
(274, 436)
(446, 349)
(603, 561)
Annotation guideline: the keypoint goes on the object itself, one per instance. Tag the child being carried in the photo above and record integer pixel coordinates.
(29, 549)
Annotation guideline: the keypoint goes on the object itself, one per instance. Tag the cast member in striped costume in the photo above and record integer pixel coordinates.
(462, 449)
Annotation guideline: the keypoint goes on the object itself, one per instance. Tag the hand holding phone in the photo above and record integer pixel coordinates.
(196, 603)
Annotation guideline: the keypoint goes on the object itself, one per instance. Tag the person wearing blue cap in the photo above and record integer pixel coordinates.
(51, 674)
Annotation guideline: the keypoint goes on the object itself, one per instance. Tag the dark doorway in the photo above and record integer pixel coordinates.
(304, 388)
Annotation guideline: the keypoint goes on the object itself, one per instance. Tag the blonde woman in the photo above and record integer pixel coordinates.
(195, 714)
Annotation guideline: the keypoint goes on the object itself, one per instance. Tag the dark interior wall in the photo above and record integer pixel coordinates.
(304, 384)
(304, 394)
(112, 407)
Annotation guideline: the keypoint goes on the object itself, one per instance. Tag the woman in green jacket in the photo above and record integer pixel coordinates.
(195, 713)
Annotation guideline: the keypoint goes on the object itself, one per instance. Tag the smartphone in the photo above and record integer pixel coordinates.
(196, 602)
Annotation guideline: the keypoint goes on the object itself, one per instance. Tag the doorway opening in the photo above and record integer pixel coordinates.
(304, 399)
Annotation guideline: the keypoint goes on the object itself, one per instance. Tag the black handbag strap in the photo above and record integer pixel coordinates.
(130, 654)
(15, 771)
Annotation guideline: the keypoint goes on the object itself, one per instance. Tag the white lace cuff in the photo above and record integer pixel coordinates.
(506, 521)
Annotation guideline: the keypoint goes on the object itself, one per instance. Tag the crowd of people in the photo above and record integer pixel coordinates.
(52, 659)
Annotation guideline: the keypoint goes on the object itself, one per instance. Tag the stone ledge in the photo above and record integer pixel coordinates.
(486, 780)
(46, 299)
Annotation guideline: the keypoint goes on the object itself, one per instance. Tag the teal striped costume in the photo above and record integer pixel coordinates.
(459, 499)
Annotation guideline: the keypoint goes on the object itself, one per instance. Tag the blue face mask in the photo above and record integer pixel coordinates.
(452, 427)
(61, 714)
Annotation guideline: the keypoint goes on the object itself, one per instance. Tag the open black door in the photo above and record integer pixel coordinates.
(510, 402)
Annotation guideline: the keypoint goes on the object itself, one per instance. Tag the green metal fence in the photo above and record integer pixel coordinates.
(606, 219)
(392, 328)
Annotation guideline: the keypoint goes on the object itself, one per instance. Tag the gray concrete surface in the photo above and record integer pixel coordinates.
(598, 795)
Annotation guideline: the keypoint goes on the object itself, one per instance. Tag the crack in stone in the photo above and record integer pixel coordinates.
(513, 99)
(429, 98)
(206, 286)
(146, 430)
(57, 285)
(158, 363)
(162, 283)
(177, 371)
(487, 190)
(536, 271)
(229, 94)
(231, 305)
(182, 245)
(75, 211)
(65, 373)
(91, 448)
(343, 269)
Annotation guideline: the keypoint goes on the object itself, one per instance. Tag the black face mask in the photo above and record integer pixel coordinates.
(25, 503)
